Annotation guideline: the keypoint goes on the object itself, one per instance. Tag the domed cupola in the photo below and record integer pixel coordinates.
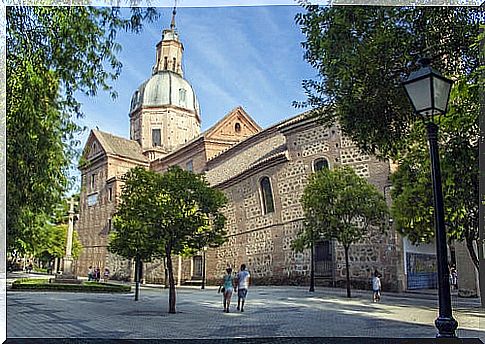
(164, 111)
(165, 88)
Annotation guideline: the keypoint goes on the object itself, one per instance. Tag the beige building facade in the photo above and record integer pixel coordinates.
(262, 172)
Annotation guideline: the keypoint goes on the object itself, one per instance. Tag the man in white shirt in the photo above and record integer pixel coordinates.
(242, 286)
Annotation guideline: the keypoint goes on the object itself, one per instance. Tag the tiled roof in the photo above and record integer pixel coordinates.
(241, 160)
(120, 146)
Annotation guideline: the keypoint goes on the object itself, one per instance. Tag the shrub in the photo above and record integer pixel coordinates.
(89, 287)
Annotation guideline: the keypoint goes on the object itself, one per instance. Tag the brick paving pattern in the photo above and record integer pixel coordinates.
(278, 312)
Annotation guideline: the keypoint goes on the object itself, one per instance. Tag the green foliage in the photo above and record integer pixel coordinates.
(161, 215)
(362, 54)
(340, 205)
(413, 192)
(133, 234)
(175, 210)
(33, 284)
(52, 52)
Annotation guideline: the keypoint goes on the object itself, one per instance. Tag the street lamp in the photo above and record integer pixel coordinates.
(429, 92)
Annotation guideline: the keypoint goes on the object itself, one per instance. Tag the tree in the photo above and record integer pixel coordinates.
(132, 237)
(50, 236)
(340, 205)
(362, 54)
(412, 194)
(171, 213)
(52, 53)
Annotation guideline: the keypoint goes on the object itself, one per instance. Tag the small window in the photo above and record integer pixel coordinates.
(320, 164)
(92, 199)
(189, 166)
(182, 96)
(109, 226)
(110, 194)
(93, 181)
(237, 127)
(174, 64)
(156, 137)
(165, 63)
(267, 196)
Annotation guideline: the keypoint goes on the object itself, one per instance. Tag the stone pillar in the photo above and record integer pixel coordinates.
(67, 271)
(68, 260)
(467, 274)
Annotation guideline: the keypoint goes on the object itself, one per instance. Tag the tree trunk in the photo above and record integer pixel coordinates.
(171, 292)
(347, 269)
(473, 255)
(312, 266)
(137, 277)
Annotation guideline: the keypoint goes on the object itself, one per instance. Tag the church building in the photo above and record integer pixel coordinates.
(262, 172)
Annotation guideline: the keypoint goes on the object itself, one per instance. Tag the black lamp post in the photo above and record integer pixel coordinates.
(429, 92)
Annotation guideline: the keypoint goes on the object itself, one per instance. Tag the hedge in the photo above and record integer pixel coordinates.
(33, 284)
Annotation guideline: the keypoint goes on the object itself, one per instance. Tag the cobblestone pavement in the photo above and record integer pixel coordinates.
(269, 312)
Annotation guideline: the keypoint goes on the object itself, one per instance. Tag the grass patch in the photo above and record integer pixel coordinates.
(41, 284)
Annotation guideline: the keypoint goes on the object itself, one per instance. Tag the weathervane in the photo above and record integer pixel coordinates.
(174, 12)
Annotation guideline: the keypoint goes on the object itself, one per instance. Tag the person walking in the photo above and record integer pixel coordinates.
(90, 273)
(228, 285)
(106, 275)
(453, 278)
(242, 278)
(376, 287)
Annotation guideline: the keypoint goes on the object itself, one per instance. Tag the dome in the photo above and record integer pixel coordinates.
(165, 88)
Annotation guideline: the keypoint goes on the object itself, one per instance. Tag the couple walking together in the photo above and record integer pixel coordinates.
(240, 285)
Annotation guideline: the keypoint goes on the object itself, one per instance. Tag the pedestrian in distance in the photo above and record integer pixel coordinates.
(227, 289)
(90, 273)
(376, 287)
(106, 275)
(453, 278)
(98, 274)
(242, 278)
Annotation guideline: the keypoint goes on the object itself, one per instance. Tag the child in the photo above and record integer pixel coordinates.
(376, 287)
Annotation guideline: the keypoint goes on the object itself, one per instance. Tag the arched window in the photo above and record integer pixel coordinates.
(237, 127)
(267, 196)
(320, 164)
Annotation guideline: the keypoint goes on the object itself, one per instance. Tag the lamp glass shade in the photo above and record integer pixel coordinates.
(428, 91)
(419, 92)
(441, 88)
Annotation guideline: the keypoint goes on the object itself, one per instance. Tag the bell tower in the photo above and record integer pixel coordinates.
(169, 50)
(164, 111)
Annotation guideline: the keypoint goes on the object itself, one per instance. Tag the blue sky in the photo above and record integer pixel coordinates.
(248, 56)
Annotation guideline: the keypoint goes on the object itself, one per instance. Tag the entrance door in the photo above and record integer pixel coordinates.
(324, 259)
(197, 267)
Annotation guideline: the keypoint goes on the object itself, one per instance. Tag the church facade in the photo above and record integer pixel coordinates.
(262, 172)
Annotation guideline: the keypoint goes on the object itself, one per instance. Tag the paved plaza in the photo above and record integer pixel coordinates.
(269, 312)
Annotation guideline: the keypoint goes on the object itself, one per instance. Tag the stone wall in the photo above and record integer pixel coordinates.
(177, 126)
(263, 242)
(94, 221)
